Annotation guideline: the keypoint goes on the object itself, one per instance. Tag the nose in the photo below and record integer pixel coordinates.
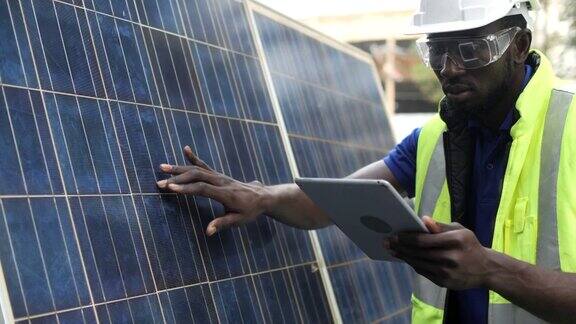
(450, 68)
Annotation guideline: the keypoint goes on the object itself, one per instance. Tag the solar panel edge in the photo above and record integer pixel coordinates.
(327, 283)
(318, 155)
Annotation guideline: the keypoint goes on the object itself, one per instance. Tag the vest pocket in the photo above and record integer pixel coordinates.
(519, 232)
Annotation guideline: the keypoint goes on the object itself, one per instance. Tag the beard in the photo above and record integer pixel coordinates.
(498, 93)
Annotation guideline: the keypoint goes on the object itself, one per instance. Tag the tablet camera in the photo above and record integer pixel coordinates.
(375, 224)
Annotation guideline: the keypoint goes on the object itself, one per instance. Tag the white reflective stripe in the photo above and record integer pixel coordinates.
(509, 314)
(424, 289)
(428, 292)
(435, 178)
(547, 253)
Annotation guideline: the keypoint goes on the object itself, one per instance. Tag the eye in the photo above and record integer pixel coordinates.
(468, 51)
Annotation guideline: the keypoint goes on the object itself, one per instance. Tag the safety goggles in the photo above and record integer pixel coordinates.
(466, 53)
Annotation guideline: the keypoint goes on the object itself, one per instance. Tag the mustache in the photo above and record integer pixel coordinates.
(455, 85)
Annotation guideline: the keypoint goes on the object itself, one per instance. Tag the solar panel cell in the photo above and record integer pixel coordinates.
(14, 67)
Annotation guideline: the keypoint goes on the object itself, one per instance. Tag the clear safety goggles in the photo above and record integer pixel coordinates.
(466, 53)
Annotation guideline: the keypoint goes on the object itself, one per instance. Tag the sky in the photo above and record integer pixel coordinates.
(300, 9)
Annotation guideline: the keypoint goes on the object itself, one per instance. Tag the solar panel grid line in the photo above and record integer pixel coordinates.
(322, 87)
(139, 104)
(202, 258)
(7, 313)
(10, 317)
(272, 156)
(290, 281)
(251, 9)
(209, 286)
(220, 158)
(115, 255)
(228, 171)
(38, 316)
(340, 164)
(374, 148)
(244, 177)
(352, 277)
(162, 139)
(152, 27)
(17, 45)
(289, 276)
(5, 304)
(106, 217)
(134, 205)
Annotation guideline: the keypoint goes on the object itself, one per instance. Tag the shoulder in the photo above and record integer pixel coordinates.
(565, 92)
(431, 131)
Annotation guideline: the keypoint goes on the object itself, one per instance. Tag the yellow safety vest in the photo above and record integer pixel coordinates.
(536, 218)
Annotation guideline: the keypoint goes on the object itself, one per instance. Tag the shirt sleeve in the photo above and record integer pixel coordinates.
(402, 162)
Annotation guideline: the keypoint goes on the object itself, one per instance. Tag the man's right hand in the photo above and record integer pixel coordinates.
(243, 202)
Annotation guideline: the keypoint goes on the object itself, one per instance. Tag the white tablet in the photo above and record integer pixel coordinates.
(367, 211)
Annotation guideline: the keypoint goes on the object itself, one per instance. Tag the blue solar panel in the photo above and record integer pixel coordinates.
(336, 123)
(95, 94)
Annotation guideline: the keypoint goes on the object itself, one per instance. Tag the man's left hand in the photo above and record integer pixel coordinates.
(450, 255)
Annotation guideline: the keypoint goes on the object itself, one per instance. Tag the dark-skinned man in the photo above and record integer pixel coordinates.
(492, 171)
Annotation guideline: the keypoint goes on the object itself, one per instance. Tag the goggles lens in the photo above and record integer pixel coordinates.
(466, 53)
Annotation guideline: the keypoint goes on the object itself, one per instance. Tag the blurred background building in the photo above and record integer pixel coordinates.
(412, 91)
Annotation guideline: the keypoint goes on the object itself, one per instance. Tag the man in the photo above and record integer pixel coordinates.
(496, 162)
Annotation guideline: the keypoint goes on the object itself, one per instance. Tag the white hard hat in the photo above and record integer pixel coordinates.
(441, 16)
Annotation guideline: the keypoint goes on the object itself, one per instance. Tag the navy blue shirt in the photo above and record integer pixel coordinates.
(491, 155)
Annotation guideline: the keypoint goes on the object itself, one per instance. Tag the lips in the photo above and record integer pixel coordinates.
(455, 89)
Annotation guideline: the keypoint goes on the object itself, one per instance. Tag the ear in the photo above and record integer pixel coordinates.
(521, 46)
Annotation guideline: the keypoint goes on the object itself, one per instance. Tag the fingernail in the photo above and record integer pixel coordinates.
(211, 230)
(187, 148)
(165, 167)
(161, 183)
(173, 186)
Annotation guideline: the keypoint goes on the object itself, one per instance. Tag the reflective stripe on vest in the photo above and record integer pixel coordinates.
(424, 289)
(547, 253)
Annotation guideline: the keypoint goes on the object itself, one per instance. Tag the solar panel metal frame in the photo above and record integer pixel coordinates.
(256, 7)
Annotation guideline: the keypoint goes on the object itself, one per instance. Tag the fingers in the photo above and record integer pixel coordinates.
(175, 169)
(191, 175)
(194, 159)
(435, 256)
(200, 189)
(224, 222)
(420, 265)
(421, 240)
(431, 224)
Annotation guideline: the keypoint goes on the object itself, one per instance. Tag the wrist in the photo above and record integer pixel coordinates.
(499, 270)
(265, 197)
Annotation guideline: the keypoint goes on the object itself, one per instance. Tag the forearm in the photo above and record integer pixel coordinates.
(550, 295)
(288, 204)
